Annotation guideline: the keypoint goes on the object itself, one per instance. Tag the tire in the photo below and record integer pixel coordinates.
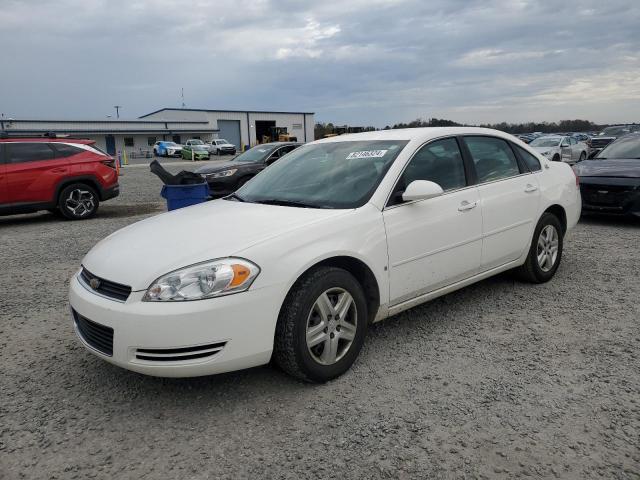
(78, 201)
(556, 158)
(583, 157)
(534, 269)
(300, 315)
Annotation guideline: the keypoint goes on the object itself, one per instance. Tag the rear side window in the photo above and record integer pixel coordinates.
(532, 163)
(63, 150)
(493, 158)
(440, 162)
(28, 152)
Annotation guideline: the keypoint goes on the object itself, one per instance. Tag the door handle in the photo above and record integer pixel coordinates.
(530, 188)
(467, 206)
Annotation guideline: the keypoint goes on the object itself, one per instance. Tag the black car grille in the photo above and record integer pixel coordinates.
(110, 289)
(600, 142)
(95, 335)
(179, 354)
(605, 195)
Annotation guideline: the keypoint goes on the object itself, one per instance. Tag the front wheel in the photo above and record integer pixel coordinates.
(78, 201)
(322, 325)
(545, 252)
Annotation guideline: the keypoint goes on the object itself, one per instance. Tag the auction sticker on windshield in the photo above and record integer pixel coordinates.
(367, 154)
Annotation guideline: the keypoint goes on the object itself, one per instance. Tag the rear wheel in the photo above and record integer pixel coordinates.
(545, 252)
(322, 325)
(78, 201)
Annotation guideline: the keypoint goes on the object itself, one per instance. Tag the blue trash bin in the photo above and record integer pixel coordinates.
(179, 196)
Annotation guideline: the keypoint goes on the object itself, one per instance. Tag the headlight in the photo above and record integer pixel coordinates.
(224, 173)
(213, 278)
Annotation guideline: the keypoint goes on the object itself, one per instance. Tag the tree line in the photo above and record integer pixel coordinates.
(324, 129)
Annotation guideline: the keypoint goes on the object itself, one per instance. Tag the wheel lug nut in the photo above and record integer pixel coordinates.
(326, 330)
(338, 328)
(332, 335)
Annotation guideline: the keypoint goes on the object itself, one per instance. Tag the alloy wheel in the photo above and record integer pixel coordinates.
(80, 202)
(547, 251)
(331, 326)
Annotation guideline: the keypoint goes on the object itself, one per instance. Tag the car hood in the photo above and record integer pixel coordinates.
(614, 167)
(139, 253)
(218, 167)
(227, 145)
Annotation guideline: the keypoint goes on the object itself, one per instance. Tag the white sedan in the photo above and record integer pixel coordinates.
(563, 148)
(338, 234)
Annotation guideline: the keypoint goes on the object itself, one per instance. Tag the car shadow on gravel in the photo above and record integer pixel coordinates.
(105, 212)
(610, 220)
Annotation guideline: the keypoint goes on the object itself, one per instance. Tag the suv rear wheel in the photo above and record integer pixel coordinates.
(78, 201)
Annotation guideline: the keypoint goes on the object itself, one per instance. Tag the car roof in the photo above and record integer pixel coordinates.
(84, 141)
(422, 134)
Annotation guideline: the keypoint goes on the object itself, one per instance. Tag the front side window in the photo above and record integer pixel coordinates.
(325, 175)
(28, 152)
(440, 162)
(493, 158)
(532, 163)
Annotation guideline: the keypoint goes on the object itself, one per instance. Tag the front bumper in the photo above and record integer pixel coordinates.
(610, 195)
(154, 338)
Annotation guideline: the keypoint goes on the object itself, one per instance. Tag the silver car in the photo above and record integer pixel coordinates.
(561, 148)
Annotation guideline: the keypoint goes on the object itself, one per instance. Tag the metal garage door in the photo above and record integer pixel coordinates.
(230, 131)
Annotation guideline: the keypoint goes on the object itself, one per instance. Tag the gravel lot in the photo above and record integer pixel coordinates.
(499, 380)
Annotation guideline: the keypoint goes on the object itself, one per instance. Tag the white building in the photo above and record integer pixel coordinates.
(242, 128)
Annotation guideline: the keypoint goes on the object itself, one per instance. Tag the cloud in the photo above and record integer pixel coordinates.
(368, 62)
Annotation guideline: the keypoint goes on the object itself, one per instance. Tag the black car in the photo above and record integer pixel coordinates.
(608, 135)
(610, 182)
(225, 178)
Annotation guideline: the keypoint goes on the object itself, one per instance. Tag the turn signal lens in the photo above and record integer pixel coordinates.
(240, 275)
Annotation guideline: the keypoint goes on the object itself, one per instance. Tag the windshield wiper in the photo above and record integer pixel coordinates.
(286, 203)
(235, 196)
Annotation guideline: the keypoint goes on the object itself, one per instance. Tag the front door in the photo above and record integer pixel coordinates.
(3, 177)
(436, 242)
(509, 197)
(110, 144)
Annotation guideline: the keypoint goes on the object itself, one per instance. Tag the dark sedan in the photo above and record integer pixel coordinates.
(226, 177)
(610, 182)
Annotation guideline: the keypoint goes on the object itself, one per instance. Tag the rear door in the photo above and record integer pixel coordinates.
(32, 171)
(3, 177)
(509, 196)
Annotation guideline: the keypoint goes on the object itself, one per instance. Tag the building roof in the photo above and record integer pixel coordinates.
(223, 111)
(105, 126)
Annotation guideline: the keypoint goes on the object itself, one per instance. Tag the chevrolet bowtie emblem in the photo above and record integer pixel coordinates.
(94, 283)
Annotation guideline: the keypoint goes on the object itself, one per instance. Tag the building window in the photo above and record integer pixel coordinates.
(128, 141)
(296, 126)
(151, 141)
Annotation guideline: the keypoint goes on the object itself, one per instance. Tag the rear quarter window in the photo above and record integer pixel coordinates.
(532, 163)
(63, 150)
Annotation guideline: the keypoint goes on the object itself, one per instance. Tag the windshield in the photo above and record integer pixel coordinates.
(325, 175)
(625, 147)
(198, 148)
(256, 154)
(546, 142)
(614, 131)
(221, 141)
(196, 142)
(170, 144)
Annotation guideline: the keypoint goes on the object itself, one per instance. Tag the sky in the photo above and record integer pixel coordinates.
(357, 62)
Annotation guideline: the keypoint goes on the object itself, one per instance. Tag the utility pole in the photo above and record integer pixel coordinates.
(182, 93)
(117, 107)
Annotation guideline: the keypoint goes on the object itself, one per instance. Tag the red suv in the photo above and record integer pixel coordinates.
(63, 175)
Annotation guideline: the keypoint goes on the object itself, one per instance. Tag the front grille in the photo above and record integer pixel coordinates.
(179, 354)
(96, 335)
(605, 195)
(110, 289)
(600, 142)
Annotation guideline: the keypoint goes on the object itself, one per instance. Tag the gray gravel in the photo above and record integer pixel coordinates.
(499, 380)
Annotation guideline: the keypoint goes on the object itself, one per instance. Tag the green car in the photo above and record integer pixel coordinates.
(195, 152)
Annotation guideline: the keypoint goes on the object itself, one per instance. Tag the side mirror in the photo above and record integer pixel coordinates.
(422, 190)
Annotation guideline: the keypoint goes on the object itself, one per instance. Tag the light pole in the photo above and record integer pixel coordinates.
(117, 107)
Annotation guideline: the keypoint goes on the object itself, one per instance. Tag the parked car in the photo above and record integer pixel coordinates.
(166, 149)
(339, 233)
(220, 146)
(194, 151)
(610, 182)
(66, 176)
(608, 135)
(225, 178)
(197, 141)
(563, 148)
(525, 137)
